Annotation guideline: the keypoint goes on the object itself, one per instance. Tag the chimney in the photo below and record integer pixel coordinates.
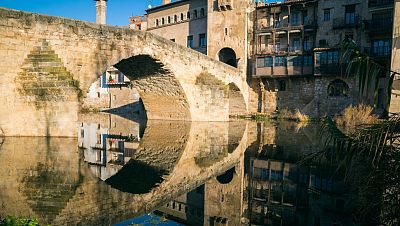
(101, 11)
(166, 2)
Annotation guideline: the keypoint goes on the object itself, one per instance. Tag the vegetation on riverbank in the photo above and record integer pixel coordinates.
(14, 221)
(282, 115)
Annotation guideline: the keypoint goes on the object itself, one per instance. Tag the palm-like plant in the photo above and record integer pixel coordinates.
(370, 155)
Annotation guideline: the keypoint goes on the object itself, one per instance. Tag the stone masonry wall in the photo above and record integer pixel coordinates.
(86, 50)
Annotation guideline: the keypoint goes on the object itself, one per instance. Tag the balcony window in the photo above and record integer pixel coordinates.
(264, 62)
(202, 40)
(277, 21)
(327, 14)
(296, 61)
(307, 44)
(350, 14)
(295, 19)
(190, 41)
(280, 61)
(305, 17)
(296, 44)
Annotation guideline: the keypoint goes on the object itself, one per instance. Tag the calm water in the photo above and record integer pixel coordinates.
(118, 171)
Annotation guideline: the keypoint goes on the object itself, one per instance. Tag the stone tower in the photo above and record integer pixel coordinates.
(227, 32)
(101, 11)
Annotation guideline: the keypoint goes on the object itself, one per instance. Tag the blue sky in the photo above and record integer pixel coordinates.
(118, 11)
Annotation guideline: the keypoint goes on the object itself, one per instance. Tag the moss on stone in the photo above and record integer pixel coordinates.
(45, 78)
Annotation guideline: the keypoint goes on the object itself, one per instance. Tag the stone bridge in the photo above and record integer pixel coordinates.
(48, 63)
(56, 186)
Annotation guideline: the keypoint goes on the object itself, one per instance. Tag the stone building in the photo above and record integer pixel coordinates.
(113, 91)
(289, 51)
(202, 25)
(138, 23)
(296, 52)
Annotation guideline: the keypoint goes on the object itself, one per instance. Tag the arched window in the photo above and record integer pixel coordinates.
(181, 16)
(162, 21)
(188, 16)
(169, 19)
(202, 12)
(338, 88)
(175, 18)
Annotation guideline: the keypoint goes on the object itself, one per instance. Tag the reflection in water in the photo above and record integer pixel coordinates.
(205, 173)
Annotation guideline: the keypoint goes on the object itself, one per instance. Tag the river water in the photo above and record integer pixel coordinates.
(123, 171)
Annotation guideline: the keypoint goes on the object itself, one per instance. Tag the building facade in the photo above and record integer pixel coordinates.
(203, 25)
(289, 51)
(296, 54)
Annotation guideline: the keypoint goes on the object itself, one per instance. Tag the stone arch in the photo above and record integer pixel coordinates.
(338, 88)
(226, 177)
(237, 104)
(228, 56)
(160, 92)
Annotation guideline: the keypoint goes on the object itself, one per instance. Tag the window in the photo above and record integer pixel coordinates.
(295, 19)
(338, 88)
(157, 22)
(175, 18)
(202, 12)
(202, 40)
(264, 62)
(188, 16)
(182, 16)
(327, 14)
(296, 44)
(162, 21)
(195, 13)
(172, 39)
(280, 61)
(350, 14)
(169, 19)
(307, 44)
(322, 43)
(305, 17)
(190, 41)
(296, 61)
(277, 21)
(381, 47)
(328, 57)
(82, 133)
